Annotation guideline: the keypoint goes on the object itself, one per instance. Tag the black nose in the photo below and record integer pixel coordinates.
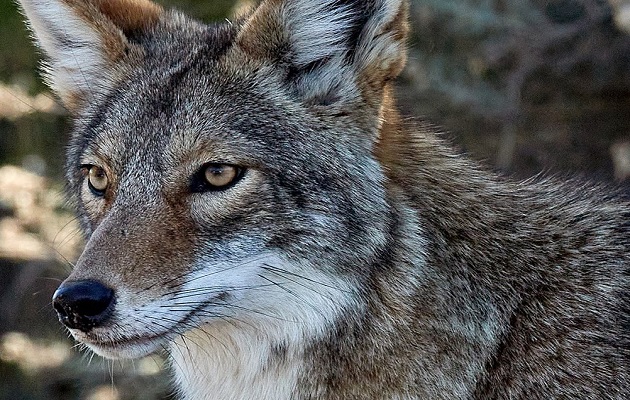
(83, 305)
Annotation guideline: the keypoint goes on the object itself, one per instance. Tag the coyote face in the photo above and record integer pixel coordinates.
(217, 180)
(252, 201)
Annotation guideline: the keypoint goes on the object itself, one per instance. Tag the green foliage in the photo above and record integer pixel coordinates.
(18, 58)
(16, 384)
(207, 11)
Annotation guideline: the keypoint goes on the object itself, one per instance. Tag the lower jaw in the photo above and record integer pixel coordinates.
(126, 350)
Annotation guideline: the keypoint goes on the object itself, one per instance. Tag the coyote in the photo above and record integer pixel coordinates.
(254, 203)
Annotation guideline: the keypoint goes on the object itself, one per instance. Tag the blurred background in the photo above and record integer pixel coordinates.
(524, 86)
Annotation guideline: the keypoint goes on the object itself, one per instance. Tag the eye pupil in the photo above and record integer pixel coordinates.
(216, 170)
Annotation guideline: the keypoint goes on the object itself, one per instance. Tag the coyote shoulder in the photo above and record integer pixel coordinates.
(253, 202)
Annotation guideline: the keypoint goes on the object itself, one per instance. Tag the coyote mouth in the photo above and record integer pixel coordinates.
(131, 347)
(139, 345)
(126, 342)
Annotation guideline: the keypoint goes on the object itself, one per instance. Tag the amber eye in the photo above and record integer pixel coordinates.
(215, 177)
(97, 180)
(220, 176)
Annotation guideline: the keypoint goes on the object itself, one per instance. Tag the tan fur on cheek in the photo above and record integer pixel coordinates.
(93, 205)
(135, 250)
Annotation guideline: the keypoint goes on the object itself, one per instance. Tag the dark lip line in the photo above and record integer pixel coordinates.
(138, 340)
(135, 340)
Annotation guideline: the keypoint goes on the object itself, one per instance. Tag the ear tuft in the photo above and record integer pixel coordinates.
(332, 49)
(84, 40)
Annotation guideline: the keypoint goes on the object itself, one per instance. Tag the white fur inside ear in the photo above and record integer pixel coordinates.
(319, 35)
(318, 29)
(77, 63)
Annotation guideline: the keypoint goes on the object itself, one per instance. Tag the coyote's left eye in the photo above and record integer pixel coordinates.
(97, 180)
(214, 177)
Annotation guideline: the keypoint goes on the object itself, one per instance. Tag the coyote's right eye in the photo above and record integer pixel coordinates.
(216, 177)
(97, 179)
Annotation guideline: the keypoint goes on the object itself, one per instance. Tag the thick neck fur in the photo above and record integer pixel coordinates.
(517, 279)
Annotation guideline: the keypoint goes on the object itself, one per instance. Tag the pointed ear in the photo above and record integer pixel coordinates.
(331, 49)
(84, 40)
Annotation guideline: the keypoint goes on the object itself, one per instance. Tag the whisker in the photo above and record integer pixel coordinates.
(313, 307)
(188, 293)
(50, 278)
(210, 273)
(284, 272)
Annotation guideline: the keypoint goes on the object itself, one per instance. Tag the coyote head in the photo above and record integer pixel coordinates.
(223, 174)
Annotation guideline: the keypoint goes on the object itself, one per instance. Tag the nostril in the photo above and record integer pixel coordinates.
(59, 306)
(83, 304)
